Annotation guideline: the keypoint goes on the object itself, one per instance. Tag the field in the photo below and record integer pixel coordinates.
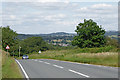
(10, 68)
(98, 56)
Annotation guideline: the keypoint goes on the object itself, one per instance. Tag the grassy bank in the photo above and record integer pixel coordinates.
(106, 57)
(0, 64)
(10, 68)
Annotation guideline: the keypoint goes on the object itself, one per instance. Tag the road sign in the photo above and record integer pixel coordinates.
(39, 52)
(7, 47)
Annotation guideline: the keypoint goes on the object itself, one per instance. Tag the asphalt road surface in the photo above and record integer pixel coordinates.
(45, 68)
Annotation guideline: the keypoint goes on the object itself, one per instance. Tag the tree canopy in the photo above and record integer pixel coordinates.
(9, 37)
(33, 44)
(89, 34)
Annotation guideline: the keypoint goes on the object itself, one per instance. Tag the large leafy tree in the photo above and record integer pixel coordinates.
(9, 37)
(89, 34)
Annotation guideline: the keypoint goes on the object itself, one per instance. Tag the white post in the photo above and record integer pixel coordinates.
(7, 52)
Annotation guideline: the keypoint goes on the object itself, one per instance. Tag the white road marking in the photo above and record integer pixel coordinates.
(79, 73)
(58, 66)
(22, 69)
(46, 63)
(85, 64)
(35, 60)
(40, 61)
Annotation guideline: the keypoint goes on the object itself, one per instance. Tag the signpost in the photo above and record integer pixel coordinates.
(19, 50)
(7, 47)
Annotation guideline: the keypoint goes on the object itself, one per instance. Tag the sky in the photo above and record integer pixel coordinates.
(43, 16)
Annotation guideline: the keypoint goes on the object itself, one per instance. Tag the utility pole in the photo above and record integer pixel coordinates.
(13, 54)
(19, 50)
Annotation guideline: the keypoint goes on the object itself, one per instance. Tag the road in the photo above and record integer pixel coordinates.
(45, 68)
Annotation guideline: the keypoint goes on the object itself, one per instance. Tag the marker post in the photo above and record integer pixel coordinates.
(19, 50)
(7, 52)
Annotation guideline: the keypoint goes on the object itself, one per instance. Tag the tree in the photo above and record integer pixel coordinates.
(9, 37)
(89, 34)
(33, 44)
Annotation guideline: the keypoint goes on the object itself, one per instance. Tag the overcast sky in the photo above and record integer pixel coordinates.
(48, 17)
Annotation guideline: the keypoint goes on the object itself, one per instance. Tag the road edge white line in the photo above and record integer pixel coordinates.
(58, 66)
(22, 69)
(79, 73)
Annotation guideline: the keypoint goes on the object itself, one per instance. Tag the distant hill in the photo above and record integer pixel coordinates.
(108, 33)
(58, 34)
(24, 36)
(112, 34)
(62, 37)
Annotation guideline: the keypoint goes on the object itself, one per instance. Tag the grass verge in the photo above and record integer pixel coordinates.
(77, 55)
(0, 64)
(10, 68)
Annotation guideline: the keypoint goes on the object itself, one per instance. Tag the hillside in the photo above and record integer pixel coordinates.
(62, 38)
(108, 33)
(59, 38)
(24, 36)
(113, 34)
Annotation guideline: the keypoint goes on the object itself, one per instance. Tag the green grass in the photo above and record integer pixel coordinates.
(99, 56)
(10, 68)
(0, 65)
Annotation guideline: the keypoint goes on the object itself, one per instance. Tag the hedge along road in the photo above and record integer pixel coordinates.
(45, 68)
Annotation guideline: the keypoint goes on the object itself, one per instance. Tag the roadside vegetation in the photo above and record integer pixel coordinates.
(0, 64)
(0, 54)
(107, 56)
(10, 69)
(29, 45)
(90, 45)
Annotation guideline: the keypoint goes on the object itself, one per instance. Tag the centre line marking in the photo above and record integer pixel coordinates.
(46, 63)
(79, 73)
(40, 61)
(58, 66)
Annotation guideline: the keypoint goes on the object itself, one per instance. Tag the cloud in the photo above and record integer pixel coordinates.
(60, 1)
(43, 1)
(98, 11)
(30, 0)
(101, 5)
(65, 23)
(104, 14)
(12, 17)
(98, 8)
(56, 16)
